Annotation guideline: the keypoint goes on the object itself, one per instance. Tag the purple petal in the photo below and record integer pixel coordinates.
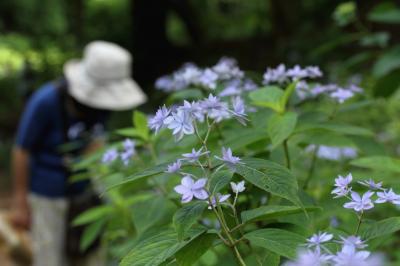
(200, 194)
(182, 189)
(187, 181)
(200, 183)
(187, 197)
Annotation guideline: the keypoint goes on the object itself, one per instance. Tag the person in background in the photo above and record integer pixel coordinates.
(72, 110)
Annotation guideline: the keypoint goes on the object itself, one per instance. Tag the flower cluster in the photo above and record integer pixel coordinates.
(281, 74)
(350, 253)
(358, 202)
(194, 187)
(182, 119)
(333, 91)
(128, 151)
(191, 75)
(333, 153)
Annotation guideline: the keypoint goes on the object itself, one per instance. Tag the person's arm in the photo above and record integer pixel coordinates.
(20, 170)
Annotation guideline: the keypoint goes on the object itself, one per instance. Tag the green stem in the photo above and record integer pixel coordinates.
(312, 168)
(359, 222)
(287, 156)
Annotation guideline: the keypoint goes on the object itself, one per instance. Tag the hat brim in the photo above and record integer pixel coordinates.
(116, 95)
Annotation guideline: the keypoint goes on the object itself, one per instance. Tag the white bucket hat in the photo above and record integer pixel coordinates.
(102, 79)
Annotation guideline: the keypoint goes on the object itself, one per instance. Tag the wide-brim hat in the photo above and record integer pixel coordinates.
(102, 79)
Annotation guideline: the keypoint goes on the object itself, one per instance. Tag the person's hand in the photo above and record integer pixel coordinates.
(20, 213)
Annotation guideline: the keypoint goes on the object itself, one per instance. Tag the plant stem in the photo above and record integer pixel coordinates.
(287, 156)
(359, 222)
(312, 167)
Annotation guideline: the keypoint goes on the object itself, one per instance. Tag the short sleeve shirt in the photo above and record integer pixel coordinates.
(41, 132)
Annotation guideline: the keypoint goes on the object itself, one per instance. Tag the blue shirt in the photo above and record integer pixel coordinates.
(41, 132)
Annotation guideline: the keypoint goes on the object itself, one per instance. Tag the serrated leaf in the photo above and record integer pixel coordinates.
(381, 163)
(187, 216)
(280, 127)
(381, 228)
(148, 212)
(92, 215)
(189, 254)
(270, 212)
(91, 233)
(271, 177)
(156, 248)
(282, 242)
(219, 180)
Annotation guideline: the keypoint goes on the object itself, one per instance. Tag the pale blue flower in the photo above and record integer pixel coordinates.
(174, 167)
(215, 109)
(354, 242)
(194, 155)
(359, 203)
(227, 68)
(342, 185)
(310, 258)
(371, 184)
(165, 83)
(341, 95)
(351, 257)
(128, 152)
(158, 121)
(238, 187)
(313, 72)
(110, 156)
(388, 196)
(218, 198)
(227, 157)
(190, 188)
(297, 72)
(277, 75)
(317, 239)
(249, 85)
(194, 109)
(208, 79)
(180, 123)
(232, 88)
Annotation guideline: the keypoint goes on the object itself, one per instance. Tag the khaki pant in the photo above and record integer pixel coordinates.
(48, 234)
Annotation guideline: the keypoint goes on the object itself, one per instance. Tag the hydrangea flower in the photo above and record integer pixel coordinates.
(237, 188)
(341, 95)
(110, 156)
(215, 109)
(194, 155)
(313, 72)
(174, 167)
(388, 196)
(208, 79)
(359, 203)
(351, 257)
(129, 151)
(226, 68)
(158, 121)
(218, 198)
(228, 158)
(310, 258)
(239, 111)
(371, 184)
(190, 188)
(297, 72)
(232, 88)
(193, 109)
(165, 83)
(354, 242)
(317, 239)
(277, 75)
(342, 185)
(180, 123)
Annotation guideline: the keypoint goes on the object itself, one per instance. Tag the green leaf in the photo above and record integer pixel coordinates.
(288, 92)
(140, 122)
(388, 84)
(389, 61)
(381, 228)
(187, 216)
(385, 13)
(271, 177)
(282, 242)
(270, 212)
(323, 137)
(144, 174)
(339, 128)
(148, 212)
(189, 254)
(219, 180)
(92, 215)
(129, 132)
(380, 163)
(156, 248)
(243, 137)
(90, 234)
(269, 96)
(280, 127)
